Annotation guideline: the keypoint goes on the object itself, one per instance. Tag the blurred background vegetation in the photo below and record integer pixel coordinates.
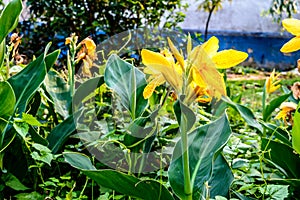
(54, 20)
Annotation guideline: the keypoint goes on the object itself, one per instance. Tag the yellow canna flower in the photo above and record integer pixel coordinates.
(223, 59)
(197, 77)
(286, 109)
(87, 54)
(161, 67)
(292, 26)
(272, 83)
(72, 39)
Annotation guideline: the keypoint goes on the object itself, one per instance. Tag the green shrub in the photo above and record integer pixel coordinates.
(98, 19)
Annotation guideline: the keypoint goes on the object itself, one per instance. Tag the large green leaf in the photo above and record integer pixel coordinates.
(60, 93)
(128, 82)
(118, 181)
(245, 112)
(184, 115)
(27, 82)
(283, 157)
(275, 103)
(8, 99)
(59, 135)
(2, 53)
(13, 182)
(205, 143)
(296, 131)
(221, 179)
(9, 18)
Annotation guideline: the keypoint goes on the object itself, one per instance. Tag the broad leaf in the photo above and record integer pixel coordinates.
(221, 179)
(13, 182)
(27, 82)
(9, 18)
(275, 103)
(205, 143)
(29, 196)
(184, 115)
(42, 153)
(296, 131)
(128, 82)
(59, 135)
(78, 160)
(283, 156)
(59, 92)
(8, 100)
(118, 181)
(245, 112)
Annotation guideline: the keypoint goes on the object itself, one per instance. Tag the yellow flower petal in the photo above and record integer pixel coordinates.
(155, 61)
(292, 26)
(178, 56)
(229, 58)
(89, 44)
(206, 69)
(285, 109)
(291, 46)
(149, 89)
(211, 46)
(68, 40)
(167, 67)
(272, 83)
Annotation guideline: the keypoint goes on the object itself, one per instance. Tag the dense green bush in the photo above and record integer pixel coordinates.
(57, 19)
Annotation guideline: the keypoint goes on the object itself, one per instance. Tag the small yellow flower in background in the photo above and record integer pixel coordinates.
(86, 54)
(196, 77)
(292, 26)
(72, 39)
(272, 83)
(286, 109)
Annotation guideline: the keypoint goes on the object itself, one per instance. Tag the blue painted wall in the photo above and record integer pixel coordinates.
(263, 48)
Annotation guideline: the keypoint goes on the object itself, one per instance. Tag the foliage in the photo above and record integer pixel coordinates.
(122, 134)
(98, 19)
(281, 9)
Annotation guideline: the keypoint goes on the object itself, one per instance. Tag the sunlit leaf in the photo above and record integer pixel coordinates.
(128, 82)
(205, 144)
(9, 18)
(123, 183)
(296, 131)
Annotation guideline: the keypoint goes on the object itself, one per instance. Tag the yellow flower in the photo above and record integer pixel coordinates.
(87, 54)
(196, 77)
(161, 67)
(286, 109)
(72, 39)
(223, 59)
(292, 26)
(272, 83)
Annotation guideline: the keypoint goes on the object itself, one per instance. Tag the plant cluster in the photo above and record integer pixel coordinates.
(171, 129)
(98, 19)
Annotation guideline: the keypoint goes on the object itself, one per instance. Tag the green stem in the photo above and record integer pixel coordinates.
(82, 191)
(185, 159)
(71, 69)
(264, 100)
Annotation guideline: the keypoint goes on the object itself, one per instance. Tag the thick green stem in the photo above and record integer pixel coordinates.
(185, 159)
